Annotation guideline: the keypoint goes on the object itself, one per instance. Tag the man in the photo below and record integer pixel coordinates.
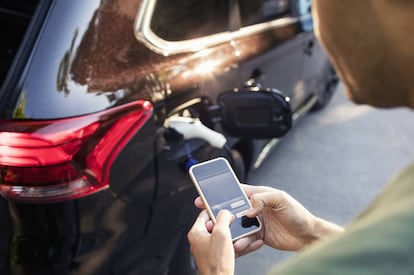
(371, 44)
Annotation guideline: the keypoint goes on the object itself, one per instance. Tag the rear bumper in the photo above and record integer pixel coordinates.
(98, 234)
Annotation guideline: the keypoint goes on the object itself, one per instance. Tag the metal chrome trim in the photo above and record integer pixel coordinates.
(144, 33)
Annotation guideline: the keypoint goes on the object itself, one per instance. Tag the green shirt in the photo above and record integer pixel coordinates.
(379, 241)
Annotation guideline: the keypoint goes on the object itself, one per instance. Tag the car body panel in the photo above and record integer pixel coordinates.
(94, 66)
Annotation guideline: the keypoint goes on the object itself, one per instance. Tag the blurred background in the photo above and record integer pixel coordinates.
(335, 162)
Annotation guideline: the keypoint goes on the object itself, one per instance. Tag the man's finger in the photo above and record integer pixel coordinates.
(243, 243)
(209, 225)
(266, 199)
(198, 229)
(201, 220)
(224, 218)
(250, 248)
(221, 231)
(252, 189)
(198, 202)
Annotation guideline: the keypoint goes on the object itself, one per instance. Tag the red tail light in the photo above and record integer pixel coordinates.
(55, 160)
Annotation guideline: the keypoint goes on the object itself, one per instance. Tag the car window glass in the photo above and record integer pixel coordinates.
(259, 11)
(304, 7)
(188, 19)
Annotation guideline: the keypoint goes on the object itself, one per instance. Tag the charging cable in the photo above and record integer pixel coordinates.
(191, 127)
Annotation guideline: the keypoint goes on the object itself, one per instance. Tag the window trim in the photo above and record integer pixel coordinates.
(144, 33)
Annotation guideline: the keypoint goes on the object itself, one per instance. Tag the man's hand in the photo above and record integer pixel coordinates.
(286, 224)
(212, 246)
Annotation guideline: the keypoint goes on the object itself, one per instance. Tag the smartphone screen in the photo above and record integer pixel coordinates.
(220, 189)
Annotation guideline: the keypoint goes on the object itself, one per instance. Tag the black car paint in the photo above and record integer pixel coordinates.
(84, 59)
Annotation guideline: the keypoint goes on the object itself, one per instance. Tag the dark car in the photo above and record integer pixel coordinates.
(105, 104)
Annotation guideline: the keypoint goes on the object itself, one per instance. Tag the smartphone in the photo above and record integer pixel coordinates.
(220, 189)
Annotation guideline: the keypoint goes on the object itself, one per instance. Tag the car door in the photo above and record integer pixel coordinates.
(316, 67)
(271, 43)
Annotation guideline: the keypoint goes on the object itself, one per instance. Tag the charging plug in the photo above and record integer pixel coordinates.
(193, 128)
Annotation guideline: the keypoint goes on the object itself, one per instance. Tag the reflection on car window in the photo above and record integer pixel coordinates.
(304, 7)
(259, 11)
(187, 19)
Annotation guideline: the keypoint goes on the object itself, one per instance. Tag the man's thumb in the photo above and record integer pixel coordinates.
(258, 202)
